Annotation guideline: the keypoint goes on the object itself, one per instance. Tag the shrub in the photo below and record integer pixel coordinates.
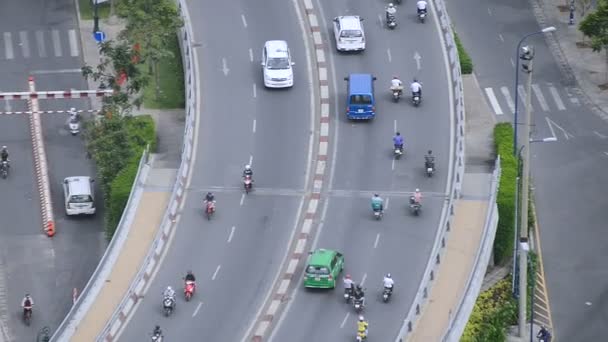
(503, 243)
(120, 189)
(466, 63)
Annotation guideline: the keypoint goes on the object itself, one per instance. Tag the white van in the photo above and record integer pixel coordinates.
(79, 195)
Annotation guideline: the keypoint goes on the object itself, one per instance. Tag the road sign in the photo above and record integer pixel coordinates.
(99, 36)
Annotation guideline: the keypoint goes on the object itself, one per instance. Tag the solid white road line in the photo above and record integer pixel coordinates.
(493, 101)
(557, 98)
(244, 20)
(216, 271)
(254, 125)
(40, 43)
(56, 43)
(393, 164)
(198, 307)
(507, 95)
(73, 43)
(58, 71)
(344, 320)
(388, 53)
(24, 43)
(377, 240)
(231, 234)
(251, 55)
(363, 279)
(8, 46)
(242, 200)
(540, 97)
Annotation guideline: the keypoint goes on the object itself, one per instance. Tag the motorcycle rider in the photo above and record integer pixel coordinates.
(429, 160)
(4, 154)
(391, 10)
(396, 84)
(417, 197)
(544, 334)
(248, 171)
(421, 6)
(209, 197)
(388, 282)
(169, 293)
(416, 88)
(377, 203)
(157, 331)
(359, 294)
(398, 141)
(362, 325)
(27, 303)
(190, 276)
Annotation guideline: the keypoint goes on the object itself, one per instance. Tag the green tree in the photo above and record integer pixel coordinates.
(151, 26)
(119, 71)
(595, 26)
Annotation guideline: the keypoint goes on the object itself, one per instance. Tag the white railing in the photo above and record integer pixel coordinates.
(455, 187)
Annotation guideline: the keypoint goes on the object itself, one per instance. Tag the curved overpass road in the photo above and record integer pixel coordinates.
(235, 256)
(400, 243)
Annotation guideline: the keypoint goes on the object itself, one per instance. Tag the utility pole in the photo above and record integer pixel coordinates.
(526, 56)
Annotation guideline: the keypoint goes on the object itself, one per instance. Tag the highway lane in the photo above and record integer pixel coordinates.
(572, 232)
(42, 37)
(400, 243)
(236, 266)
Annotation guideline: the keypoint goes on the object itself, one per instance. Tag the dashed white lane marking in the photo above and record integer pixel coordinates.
(507, 95)
(344, 320)
(599, 135)
(606, 153)
(254, 125)
(393, 164)
(557, 98)
(255, 91)
(540, 97)
(231, 233)
(244, 20)
(242, 200)
(512, 63)
(388, 53)
(40, 43)
(394, 126)
(216, 272)
(73, 43)
(501, 38)
(24, 43)
(56, 43)
(251, 54)
(363, 279)
(493, 101)
(380, 20)
(387, 202)
(377, 240)
(198, 307)
(8, 46)
(250, 159)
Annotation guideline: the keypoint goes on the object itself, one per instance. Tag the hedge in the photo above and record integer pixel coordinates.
(466, 63)
(141, 132)
(503, 243)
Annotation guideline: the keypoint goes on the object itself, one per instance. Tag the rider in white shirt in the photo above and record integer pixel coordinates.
(421, 6)
(388, 281)
(396, 84)
(390, 11)
(169, 293)
(348, 282)
(416, 88)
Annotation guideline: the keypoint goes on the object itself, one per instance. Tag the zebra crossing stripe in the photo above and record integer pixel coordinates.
(540, 97)
(493, 101)
(8, 45)
(557, 99)
(40, 43)
(56, 43)
(507, 95)
(25, 44)
(522, 94)
(73, 43)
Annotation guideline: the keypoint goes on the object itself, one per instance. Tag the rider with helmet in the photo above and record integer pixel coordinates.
(157, 332)
(248, 171)
(391, 10)
(417, 196)
(362, 326)
(388, 282)
(396, 84)
(190, 276)
(27, 303)
(359, 294)
(429, 160)
(398, 141)
(416, 88)
(377, 203)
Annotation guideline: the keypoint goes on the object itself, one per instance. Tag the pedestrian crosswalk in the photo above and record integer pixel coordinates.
(53, 43)
(544, 97)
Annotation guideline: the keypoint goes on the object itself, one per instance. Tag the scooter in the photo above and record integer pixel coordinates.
(430, 168)
(396, 94)
(415, 206)
(398, 151)
(247, 183)
(189, 290)
(378, 213)
(416, 99)
(386, 294)
(157, 337)
(391, 21)
(4, 168)
(168, 305)
(361, 336)
(358, 304)
(348, 293)
(27, 315)
(422, 16)
(209, 209)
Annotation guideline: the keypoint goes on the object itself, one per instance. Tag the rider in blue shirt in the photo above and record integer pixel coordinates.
(398, 141)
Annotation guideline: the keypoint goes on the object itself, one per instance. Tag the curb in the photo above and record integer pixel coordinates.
(279, 295)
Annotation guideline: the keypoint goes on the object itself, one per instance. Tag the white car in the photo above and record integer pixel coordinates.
(276, 64)
(349, 33)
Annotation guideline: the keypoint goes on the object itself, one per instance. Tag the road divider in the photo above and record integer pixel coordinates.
(132, 295)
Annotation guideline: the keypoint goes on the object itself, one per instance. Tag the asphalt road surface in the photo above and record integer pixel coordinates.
(236, 254)
(569, 177)
(400, 243)
(40, 39)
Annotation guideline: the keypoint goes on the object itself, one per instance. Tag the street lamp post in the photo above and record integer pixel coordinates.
(95, 16)
(545, 30)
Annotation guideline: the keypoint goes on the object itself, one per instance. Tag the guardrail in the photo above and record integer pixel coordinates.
(458, 321)
(130, 298)
(457, 177)
(95, 283)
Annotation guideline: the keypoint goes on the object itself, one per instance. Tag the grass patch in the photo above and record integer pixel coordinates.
(466, 63)
(171, 81)
(86, 9)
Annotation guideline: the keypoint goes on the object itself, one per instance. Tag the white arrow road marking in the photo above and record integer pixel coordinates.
(225, 69)
(417, 57)
(552, 124)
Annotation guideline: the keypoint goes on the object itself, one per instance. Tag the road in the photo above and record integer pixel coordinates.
(572, 231)
(235, 256)
(37, 39)
(400, 243)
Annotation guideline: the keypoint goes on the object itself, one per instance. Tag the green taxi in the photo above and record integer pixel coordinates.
(323, 268)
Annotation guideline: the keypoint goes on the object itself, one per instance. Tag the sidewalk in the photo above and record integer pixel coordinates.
(576, 61)
(469, 220)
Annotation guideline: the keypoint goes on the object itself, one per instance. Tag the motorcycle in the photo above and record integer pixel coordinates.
(189, 289)
(157, 337)
(430, 168)
(209, 209)
(386, 294)
(415, 206)
(378, 213)
(4, 168)
(74, 124)
(361, 336)
(358, 304)
(416, 99)
(348, 293)
(247, 183)
(27, 315)
(391, 21)
(398, 151)
(168, 305)
(422, 16)
(396, 94)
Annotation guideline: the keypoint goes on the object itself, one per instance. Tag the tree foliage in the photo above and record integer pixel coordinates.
(595, 26)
